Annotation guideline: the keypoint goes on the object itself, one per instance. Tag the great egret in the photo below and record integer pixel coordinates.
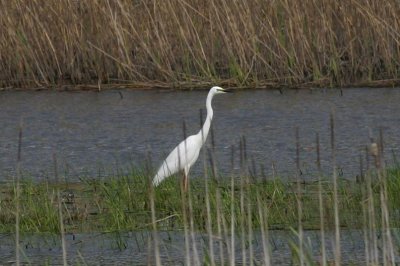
(186, 153)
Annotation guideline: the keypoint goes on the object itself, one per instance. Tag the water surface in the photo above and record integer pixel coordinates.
(96, 133)
(137, 248)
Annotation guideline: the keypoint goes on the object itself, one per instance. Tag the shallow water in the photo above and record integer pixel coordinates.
(96, 134)
(137, 248)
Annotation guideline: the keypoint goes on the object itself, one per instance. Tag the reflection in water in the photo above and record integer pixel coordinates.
(97, 133)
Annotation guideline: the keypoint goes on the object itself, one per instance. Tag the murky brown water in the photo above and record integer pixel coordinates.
(96, 134)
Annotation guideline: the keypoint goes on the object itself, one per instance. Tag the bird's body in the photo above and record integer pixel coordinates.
(186, 153)
(186, 158)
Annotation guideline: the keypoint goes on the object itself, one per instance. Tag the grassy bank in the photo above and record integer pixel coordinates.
(124, 203)
(185, 44)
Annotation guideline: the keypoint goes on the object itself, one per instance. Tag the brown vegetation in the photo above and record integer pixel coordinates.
(193, 43)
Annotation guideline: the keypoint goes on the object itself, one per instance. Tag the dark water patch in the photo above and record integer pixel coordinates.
(137, 248)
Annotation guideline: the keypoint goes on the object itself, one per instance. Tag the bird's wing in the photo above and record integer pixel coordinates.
(182, 156)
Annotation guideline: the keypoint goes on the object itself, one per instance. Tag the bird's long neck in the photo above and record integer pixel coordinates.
(206, 127)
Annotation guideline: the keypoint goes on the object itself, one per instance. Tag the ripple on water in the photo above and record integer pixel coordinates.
(100, 130)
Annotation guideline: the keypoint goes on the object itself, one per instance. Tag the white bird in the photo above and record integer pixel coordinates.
(186, 153)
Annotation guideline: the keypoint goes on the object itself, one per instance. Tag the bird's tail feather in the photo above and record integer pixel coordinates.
(157, 180)
(162, 173)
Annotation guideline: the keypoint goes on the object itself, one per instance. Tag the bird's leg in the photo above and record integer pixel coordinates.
(185, 182)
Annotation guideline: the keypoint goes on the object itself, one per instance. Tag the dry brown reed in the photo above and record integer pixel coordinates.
(335, 191)
(17, 198)
(154, 225)
(192, 43)
(321, 202)
(298, 199)
(60, 214)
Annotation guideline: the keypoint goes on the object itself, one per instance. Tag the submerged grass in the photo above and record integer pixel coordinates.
(123, 204)
(184, 44)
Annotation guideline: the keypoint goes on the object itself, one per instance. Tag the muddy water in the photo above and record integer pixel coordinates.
(96, 134)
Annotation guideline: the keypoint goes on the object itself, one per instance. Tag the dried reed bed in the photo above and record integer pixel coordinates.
(192, 43)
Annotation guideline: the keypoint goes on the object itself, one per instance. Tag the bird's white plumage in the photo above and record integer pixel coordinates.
(181, 158)
(186, 153)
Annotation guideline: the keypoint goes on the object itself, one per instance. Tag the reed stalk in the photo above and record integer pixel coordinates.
(154, 225)
(263, 216)
(321, 202)
(371, 215)
(335, 192)
(299, 199)
(60, 214)
(17, 199)
(233, 223)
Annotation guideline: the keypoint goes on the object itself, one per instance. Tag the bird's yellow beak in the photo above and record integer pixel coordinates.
(225, 90)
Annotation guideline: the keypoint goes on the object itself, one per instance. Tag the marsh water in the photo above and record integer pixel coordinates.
(98, 134)
(95, 134)
(138, 249)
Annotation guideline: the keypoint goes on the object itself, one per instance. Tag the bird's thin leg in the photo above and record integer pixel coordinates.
(185, 180)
